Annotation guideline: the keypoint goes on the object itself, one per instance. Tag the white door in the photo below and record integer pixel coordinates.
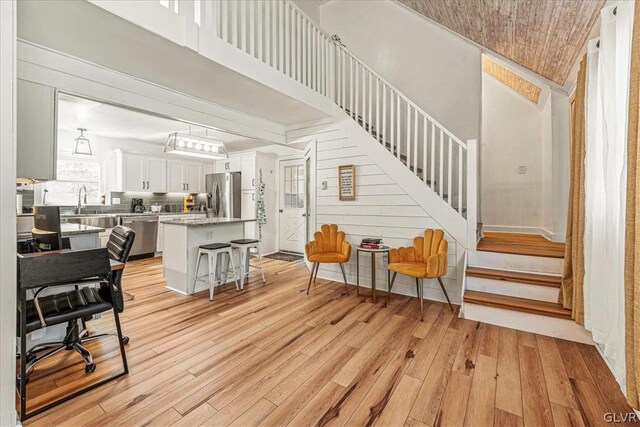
(292, 206)
(157, 175)
(192, 174)
(175, 181)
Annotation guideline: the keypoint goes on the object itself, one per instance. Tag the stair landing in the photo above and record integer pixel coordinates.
(520, 244)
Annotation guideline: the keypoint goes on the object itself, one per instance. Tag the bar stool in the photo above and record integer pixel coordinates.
(213, 251)
(244, 246)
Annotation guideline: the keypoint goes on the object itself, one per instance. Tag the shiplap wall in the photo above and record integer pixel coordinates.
(381, 209)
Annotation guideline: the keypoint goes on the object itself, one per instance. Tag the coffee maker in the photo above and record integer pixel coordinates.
(137, 206)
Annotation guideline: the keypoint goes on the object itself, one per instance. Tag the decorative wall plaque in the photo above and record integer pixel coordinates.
(347, 182)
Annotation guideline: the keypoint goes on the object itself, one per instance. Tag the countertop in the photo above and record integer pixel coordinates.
(206, 221)
(69, 229)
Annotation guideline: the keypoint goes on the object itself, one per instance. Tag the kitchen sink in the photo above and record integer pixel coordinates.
(102, 221)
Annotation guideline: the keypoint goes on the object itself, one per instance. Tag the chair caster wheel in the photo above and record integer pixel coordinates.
(91, 367)
(125, 340)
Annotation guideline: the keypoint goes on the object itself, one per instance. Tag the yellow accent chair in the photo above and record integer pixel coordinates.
(328, 246)
(426, 259)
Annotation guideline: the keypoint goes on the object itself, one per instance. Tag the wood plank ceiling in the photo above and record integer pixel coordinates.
(544, 36)
(511, 79)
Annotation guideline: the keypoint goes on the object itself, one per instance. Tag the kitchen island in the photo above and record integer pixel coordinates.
(181, 240)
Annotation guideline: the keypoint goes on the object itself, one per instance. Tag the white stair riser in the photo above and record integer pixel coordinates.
(513, 289)
(565, 329)
(524, 263)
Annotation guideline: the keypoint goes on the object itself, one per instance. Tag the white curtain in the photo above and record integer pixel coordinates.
(605, 181)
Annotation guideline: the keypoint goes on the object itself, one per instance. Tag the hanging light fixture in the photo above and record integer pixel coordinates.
(82, 145)
(194, 146)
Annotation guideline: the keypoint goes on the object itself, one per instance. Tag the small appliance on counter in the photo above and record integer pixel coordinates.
(202, 207)
(188, 203)
(156, 208)
(137, 206)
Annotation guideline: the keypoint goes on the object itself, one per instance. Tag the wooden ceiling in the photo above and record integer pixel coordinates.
(521, 85)
(545, 36)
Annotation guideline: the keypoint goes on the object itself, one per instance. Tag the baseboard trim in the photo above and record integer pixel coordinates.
(517, 229)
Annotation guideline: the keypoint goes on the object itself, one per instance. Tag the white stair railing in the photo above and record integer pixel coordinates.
(279, 34)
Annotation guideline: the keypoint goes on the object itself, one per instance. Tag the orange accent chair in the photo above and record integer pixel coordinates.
(328, 246)
(426, 259)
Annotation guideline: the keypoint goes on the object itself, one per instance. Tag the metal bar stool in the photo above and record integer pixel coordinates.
(214, 277)
(244, 246)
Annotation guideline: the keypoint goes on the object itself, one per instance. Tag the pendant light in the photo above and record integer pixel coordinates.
(82, 146)
(194, 146)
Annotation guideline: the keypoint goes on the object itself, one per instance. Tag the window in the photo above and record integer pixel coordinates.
(72, 174)
(294, 186)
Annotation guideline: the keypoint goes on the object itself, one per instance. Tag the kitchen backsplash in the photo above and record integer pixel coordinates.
(169, 202)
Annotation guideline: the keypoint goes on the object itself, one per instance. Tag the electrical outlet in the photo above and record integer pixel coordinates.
(522, 170)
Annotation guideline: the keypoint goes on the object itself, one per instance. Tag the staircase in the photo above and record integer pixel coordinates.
(276, 43)
(513, 280)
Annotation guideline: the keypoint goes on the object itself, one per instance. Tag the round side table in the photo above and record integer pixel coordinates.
(373, 252)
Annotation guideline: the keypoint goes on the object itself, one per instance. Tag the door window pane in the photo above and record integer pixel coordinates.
(294, 186)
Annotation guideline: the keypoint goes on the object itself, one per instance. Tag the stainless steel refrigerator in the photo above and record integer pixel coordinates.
(224, 194)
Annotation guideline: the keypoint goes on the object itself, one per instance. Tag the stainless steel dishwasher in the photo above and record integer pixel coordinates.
(146, 228)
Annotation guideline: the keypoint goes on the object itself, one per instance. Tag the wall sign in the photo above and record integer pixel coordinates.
(347, 182)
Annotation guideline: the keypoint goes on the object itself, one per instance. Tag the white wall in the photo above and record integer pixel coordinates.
(381, 209)
(311, 8)
(511, 138)
(436, 70)
(516, 132)
(7, 214)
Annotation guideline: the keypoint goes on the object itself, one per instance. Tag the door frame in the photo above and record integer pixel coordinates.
(311, 151)
(310, 154)
(291, 158)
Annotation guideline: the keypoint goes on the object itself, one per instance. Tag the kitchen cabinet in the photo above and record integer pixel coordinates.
(162, 219)
(249, 173)
(184, 177)
(249, 210)
(140, 173)
(36, 149)
(232, 164)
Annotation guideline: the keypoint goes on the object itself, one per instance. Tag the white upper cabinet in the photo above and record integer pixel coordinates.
(232, 164)
(36, 132)
(140, 173)
(193, 177)
(248, 173)
(184, 177)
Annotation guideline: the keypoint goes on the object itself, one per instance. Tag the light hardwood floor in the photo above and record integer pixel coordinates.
(272, 355)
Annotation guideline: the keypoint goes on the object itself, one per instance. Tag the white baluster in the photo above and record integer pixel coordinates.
(260, 40)
(355, 84)
(267, 31)
(274, 34)
(234, 23)
(415, 141)
(378, 109)
(224, 18)
(449, 172)
(281, 29)
(383, 134)
(459, 179)
(363, 113)
(287, 35)
(398, 126)
(243, 25)
(351, 86)
(472, 193)
(252, 28)
(299, 47)
(425, 145)
(433, 156)
(370, 120)
(392, 138)
(441, 186)
(408, 136)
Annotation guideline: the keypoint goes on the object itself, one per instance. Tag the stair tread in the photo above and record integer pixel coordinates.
(516, 276)
(518, 304)
(520, 244)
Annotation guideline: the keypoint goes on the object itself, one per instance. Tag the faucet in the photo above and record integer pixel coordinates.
(79, 207)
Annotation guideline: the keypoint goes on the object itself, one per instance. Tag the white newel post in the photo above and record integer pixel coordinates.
(472, 193)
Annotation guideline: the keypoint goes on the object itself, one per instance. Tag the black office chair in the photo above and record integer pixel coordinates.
(119, 247)
(37, 272)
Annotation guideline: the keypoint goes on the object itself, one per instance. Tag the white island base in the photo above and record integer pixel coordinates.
(182, 238)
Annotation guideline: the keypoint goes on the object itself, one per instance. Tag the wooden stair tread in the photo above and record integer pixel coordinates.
(516, 276)
(525, 305)
(520, 244)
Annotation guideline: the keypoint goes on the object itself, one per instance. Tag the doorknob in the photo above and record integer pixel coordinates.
(304, 214)
(281, 210)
